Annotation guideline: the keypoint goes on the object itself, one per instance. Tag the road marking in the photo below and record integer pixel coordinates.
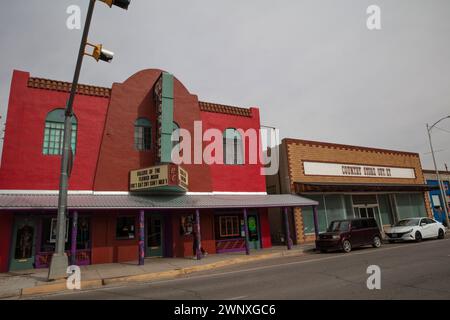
(194, 277)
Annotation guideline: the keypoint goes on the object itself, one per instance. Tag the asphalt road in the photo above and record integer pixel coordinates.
(408, 271)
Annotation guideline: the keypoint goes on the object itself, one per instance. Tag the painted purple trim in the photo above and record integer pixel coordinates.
(288, 230)
(247, 245)
(141, 237)
(198, 235)
(73, 249)
(316, 222)
(230, 239)
(47, 256)
(231, 250)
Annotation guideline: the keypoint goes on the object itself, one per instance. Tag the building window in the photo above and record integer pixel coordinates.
(54, 133)
(126, 228)
(142, 134)
(410, 205)
(229, 226)
(233, 151)
(176, 136)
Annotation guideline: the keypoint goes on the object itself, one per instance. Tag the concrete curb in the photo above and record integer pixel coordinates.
(60, 286)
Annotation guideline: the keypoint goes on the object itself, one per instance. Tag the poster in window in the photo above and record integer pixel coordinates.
(187, 225)
(53, 230)
(243, 228)
(252, 229)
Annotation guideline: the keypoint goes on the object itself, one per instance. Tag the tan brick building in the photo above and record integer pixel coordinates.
(347, 181)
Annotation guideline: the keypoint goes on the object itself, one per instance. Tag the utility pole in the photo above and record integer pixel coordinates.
(441, 186)
(59, 262)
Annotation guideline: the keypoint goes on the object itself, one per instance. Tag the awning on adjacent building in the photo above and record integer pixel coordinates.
(160, 202)
(306, 187)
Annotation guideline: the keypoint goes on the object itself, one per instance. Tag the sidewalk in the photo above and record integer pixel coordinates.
(34, 282)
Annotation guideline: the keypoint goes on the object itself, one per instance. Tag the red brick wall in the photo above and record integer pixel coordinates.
(236, 178)
(23, 164)
(129, 101)
(105, 247)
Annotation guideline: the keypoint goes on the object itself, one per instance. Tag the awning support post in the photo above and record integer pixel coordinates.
(288, 229)
(141, 237)
(316, 222)
(247, 245)
(198, 237)
(73, 248)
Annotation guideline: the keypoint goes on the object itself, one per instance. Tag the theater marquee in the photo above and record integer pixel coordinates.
(351, 170)
(164, 178)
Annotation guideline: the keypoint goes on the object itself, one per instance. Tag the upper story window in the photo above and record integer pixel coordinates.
(54, 133)
(175, 135)
(142, 134)
(233, 151)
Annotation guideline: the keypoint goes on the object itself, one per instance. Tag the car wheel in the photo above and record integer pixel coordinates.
(418, 236)
(376, 242)
(346, 246)
(441, 234)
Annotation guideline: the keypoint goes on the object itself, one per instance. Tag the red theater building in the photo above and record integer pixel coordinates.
(127, 199)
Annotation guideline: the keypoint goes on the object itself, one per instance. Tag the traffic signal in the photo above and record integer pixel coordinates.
(100, 53)
(118, 3)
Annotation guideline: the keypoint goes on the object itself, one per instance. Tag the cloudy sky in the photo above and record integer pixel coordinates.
(312, 66)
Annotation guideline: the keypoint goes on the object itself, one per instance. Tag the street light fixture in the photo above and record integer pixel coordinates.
(59, 261)
(441, 185)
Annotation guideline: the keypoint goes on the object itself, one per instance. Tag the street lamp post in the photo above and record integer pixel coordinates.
(441, 186)
(59, 261)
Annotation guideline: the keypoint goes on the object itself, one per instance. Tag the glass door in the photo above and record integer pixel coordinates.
(23, 244)
(253, 231)
(369, 212)
(154, 235)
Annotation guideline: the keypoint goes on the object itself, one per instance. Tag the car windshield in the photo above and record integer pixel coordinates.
(339, 226)
(407, 223)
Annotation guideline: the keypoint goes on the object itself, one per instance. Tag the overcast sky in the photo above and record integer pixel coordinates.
(312, 67)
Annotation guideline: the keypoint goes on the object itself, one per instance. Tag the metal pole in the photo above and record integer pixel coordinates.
(316, 222)
(73, 249)
(444, 198)
(59, 263)
(198, 236)
(247, 245)
(141, 237)
(288, 231)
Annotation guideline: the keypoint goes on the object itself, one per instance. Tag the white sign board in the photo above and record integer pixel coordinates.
(351, 170)
(436, 200)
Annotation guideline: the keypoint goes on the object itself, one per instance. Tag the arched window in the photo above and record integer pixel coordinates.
(233, 151)
(142, 134)
(54, 133)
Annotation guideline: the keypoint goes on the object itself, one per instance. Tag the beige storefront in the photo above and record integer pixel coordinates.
(348, 181)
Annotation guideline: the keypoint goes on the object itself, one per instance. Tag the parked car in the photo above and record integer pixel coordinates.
(415, 229)
(348, 234)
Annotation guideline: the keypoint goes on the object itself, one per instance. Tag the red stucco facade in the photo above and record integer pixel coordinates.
(105, 155)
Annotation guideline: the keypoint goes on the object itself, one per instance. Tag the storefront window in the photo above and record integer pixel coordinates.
(229, 226)
(335, 207)
(385, 211)
(410, 205)
(125, 228)
(308, 216)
